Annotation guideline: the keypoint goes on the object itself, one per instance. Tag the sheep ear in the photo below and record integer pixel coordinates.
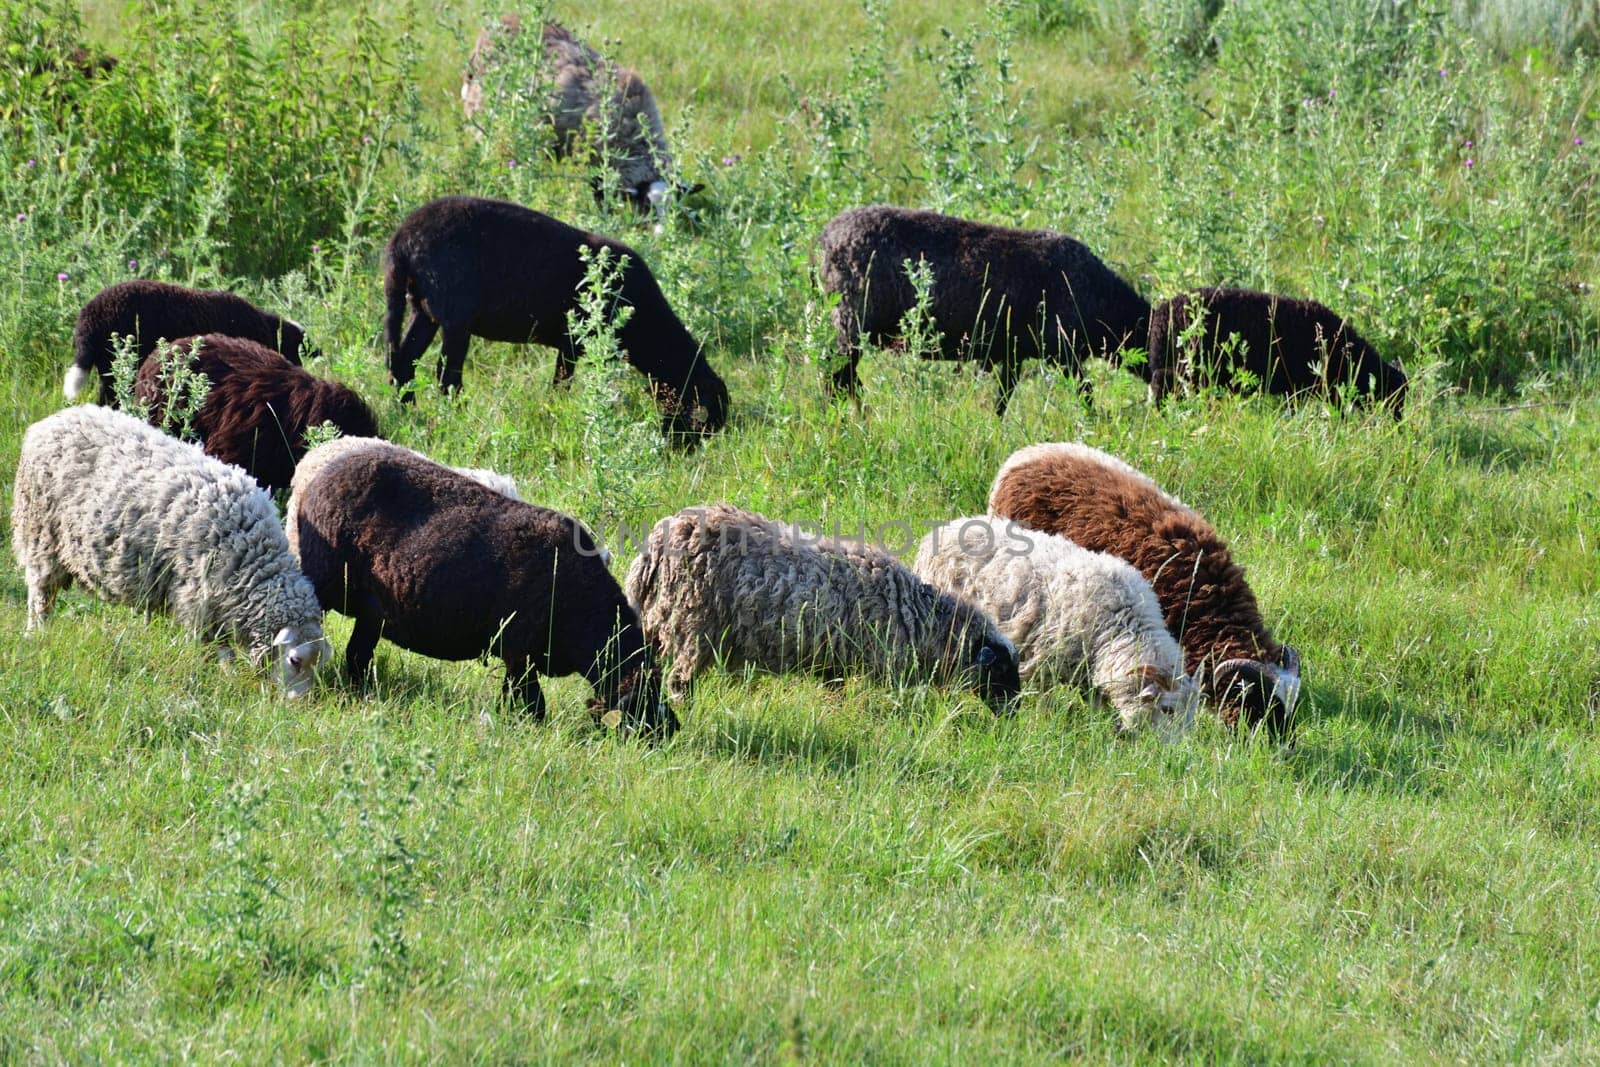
(986, 656)
(1149, 694)
(611, 719)
(285, 637)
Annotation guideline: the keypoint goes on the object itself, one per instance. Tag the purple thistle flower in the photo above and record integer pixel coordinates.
(316, 248)
(512, 165)
(1466, 144)
(1578, 141)
(22, 216)
(32, 162)
(1443, 73)
(133, 264)
(61, 276)
(1468, 163)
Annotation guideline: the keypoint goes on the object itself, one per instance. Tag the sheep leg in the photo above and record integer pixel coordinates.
(522, 689)
(566, 363)
(403, 362)
(452, 357)
(359, 652)
(44, 583)
(1006, 373)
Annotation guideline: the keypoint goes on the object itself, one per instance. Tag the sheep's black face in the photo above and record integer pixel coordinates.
(638, 705)
(701, 411)
(1257, 694)
(996, 677)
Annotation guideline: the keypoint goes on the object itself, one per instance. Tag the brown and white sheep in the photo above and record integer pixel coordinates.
(1287, 346)
(150, 311)
(497, 270)
(726, 584)
(1075, 616)
(259, 406)
(1000, 296)
(446, 567)
(1101, 503)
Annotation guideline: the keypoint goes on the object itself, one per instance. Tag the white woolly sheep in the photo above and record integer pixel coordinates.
(719, 582)
(1075, 616)
(144, 519)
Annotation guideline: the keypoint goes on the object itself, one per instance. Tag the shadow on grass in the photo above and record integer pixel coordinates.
(1493, 446)
(782, 744)
(1394, 750)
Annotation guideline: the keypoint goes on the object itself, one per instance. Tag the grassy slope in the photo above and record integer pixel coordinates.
(870, 873)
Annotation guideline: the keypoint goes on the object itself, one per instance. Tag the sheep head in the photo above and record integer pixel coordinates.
(697, 412)
(991, 671)
(1260, 691)
(296, 652)
(1166, 704)
(631, 700)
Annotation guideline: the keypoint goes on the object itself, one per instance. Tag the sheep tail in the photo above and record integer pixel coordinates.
(397, 272)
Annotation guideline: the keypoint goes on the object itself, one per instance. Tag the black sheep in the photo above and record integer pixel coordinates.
(448, 568)
(1000, 296)
(487, 268)
(259, 407)
(1287, 345)
(150, 311)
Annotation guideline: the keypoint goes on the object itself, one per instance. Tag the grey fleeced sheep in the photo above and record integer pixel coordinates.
(1000, 296)
(151, 311)
(605, 108)
(470, 267)
(144, 519)
(719, 582)
(441, 565)
(1075, 616)
(1287, 346)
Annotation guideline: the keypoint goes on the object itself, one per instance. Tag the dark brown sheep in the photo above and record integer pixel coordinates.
(1287, 345)
(1099, 502)
(1000, 296)
(259, 407)
(149, 311)
(487, 268)
(443, 566)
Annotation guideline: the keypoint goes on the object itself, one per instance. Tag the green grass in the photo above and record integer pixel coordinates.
(191, 868)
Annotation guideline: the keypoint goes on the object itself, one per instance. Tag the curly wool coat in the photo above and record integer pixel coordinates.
(1101, 503)
(719, 582)
(259, 406)
(150, 311)
(1076, 617)
(140, 518)
(1000, 296)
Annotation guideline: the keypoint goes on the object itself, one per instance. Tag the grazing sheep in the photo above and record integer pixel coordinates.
(605, 108)
(1075, 616)
(723, 583)
(1101, 503)
(259, 406)
(497, 270)
(1000, 296)
(1288, 345)
(144, 519)
(150, 311)
(446, 567)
